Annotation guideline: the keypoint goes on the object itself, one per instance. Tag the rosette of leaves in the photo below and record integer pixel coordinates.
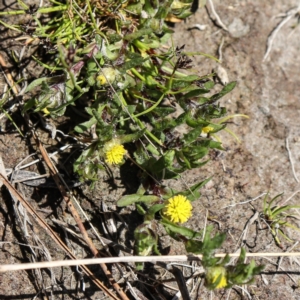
(277, 217)
(134, 86)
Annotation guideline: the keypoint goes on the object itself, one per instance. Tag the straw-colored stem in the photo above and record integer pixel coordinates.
(125, 259)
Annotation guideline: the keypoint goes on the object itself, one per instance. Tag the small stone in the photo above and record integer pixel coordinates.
(237, 28)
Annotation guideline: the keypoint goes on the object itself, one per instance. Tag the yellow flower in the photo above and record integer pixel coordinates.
(46, 111)
(107, 75)
(213, 274)
(101, 79)
(207, 129)
(178, 209)
(114, 152)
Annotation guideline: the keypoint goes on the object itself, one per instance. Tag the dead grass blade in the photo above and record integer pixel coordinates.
(58, 180)
(130, 259)
(54, 236)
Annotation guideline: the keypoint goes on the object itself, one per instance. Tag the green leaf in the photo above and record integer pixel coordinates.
(211, 144)
(167, 123)
(242, 256)
(28, 105)
(85, 126)
(131, 109)
(153, 149)
(163, 10)
(153, 210)
(192, 193)
(210, 244)
(136, 8)
(130, 199)
(89, 110)
(192, 135)
(135, 35)
(193, 246)
(192, 122)
(184, 14)
(145, 242)
(181, 85)
(228, 88)
(194, 93)
(199, 164)
(163, 111)
(35, 83)
(203, 100)
(92, 67)
(140, 209)
(196, 152)
(131, 137)
(281, 209)
(188, 78)
(177, 229)
(209, 85)
(138, 61)
(164, 162)
(273, 200)
(284, 235)
(182, 159)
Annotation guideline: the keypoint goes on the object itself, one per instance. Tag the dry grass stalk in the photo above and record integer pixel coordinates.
(58, 180)
(130, 259)
(53, 235)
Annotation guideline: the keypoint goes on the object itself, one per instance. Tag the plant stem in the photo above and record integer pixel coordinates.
(126, 259)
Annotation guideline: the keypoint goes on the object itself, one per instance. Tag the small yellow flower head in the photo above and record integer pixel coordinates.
(207, 129)
(46, 111)
(178, 209)
(107, 75)
(101, 79)
(114, 152)
(213, 274)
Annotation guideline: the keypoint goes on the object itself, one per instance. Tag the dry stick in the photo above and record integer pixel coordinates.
(218, 19)
(245, 201)
(281, 258)
(290, 158)
(53, 235)
(289, 198)
(272, 36)
(8, 76)
(76, 216)
(250, 221)
(130, 259)
(287, 272)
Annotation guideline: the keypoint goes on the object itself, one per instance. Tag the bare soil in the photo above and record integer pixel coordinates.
(267, 91)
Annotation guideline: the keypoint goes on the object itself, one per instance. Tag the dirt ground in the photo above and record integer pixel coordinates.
(268, 91)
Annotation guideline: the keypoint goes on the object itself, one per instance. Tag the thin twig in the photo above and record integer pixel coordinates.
(8, 76)
(131, 259)
(62, 188)
(290, 158)
(220, 50)
(246, 229)
(244, 290)
(287, 273)
(53, 235)
(272, 36)
(220, 23)
(281, 259)
(245, 201)
(38, 160)
(288, 199)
